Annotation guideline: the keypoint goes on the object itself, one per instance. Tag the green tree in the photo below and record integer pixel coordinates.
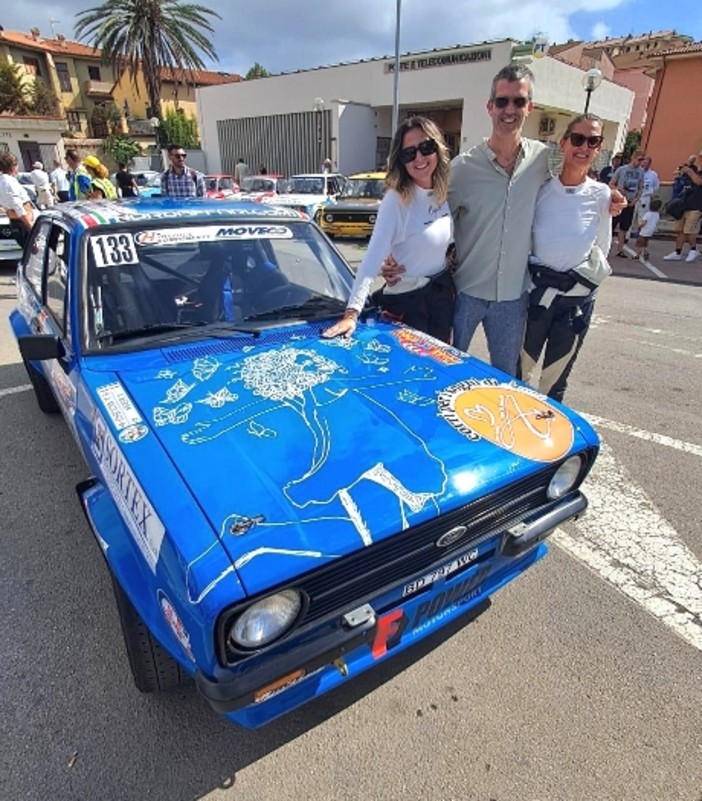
(42, 99)
(148, 36)
(13, 92)
(120, 148)
(632, 143)
(257, 71)
(181, 129)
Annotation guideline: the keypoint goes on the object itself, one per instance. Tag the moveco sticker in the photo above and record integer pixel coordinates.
(212, 233)
(509, 416)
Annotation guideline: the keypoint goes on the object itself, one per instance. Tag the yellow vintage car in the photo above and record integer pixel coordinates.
(356, 208)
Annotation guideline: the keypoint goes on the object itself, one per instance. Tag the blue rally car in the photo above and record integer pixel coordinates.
(278, 511)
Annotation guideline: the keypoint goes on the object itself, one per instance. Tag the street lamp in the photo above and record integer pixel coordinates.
(318, 108)
(591, 80)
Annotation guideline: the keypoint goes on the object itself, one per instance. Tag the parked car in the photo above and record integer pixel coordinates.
(257, 187)
(310, 193)
(151, 188)
(220, 186)
(278, 511)
(142, 178)
(356, 207)
(10, 251)
(26, 180)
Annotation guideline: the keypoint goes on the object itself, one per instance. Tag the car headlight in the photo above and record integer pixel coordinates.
(371, 218)
(266, 620)
(329, 218)
(565, 478)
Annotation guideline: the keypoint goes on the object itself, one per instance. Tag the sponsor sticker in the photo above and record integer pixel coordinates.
(175, 624)
(136, 510)
(211, 233)
(514, 418)
(119, 406)
(440, 572)
(113, 250)
(425, 345)
(133, 433)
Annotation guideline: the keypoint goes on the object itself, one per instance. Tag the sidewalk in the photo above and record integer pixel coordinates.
(656, 268)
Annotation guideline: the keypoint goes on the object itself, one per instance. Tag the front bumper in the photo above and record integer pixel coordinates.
(303, 669)
(354, 229)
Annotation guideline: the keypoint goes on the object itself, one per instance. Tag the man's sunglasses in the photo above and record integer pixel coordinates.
(578, 140)
(503, 102)
(426, 148)
(179, 155)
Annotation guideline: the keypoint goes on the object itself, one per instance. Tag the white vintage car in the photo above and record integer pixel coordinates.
(310, 193)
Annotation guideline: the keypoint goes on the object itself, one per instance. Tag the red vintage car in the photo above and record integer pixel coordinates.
(220, 186)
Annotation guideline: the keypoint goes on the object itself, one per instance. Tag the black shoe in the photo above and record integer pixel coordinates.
(622, 255)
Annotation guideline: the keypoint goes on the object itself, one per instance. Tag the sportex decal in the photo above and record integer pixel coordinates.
(424, 345)
(514, 418)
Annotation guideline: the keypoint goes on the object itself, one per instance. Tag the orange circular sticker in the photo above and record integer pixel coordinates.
(510, 417)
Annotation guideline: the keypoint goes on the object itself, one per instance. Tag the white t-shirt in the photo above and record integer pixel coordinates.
(650, 221)
(416, 234)
(651, 183)
(568, 221)
(39, 178)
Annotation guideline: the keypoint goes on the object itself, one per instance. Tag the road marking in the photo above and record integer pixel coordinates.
(15, 390)
(649, 436)
(679, 351)
(626, 541)
(658, 273)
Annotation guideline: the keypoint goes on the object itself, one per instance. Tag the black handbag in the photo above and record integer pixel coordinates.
(676, 207)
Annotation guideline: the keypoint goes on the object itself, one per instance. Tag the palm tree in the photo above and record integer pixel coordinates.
(149, 35)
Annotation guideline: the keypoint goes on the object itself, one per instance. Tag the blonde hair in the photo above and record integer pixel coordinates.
(101, 171)
(399, 179)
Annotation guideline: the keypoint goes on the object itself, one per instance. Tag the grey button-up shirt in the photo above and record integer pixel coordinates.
(492, 217)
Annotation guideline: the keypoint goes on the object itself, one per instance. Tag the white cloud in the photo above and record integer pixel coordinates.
(600, 31)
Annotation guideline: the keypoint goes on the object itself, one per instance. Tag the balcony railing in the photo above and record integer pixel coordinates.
(140, 128)
(97, 89)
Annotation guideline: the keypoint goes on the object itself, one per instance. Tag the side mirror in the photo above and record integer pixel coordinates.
(39, 347)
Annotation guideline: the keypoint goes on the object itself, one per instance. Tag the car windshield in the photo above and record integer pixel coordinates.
(252, 184)
(306, 186)
(143, 178)
(226, 182)
(364, 188)
(154, 180)
(196, 279)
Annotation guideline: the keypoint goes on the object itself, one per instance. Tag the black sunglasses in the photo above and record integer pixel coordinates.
(503, 102)
(179, 155)
(578, 139)
(426, 148)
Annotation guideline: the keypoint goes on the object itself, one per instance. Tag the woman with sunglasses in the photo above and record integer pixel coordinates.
(414, 226)
(571, 235)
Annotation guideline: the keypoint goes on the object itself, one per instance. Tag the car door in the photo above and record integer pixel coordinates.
(46, 291)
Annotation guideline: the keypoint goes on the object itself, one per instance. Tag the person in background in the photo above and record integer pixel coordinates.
(681, 182)
(628, 179)
(646, 225)
(687, 228)
(40, 179)
(59, 182)
(262, 169)
(607, 172)
(414, 226)
(103, 188)
(651, 185)
(80, 182)
(179, 181)
(126, 182)
(571, 236)
(327, 165)
(15, 200)
(241, 170)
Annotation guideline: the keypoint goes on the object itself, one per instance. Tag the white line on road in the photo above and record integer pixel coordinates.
(679, 351)
(14, 390)
(649, 436)
(626, 541)
(658, 273)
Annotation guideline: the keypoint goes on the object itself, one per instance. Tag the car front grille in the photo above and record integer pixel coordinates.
(348, 217)
(365, 574)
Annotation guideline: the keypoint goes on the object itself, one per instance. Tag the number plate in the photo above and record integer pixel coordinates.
(440, 572)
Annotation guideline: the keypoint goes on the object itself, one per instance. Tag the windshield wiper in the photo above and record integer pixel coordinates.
(319, 306)
(145, 330)
(200, 328)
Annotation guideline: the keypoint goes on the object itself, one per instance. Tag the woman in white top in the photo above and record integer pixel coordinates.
(414, 226)
(571, 236)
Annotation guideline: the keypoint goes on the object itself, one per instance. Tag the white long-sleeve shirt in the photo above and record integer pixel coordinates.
(13, 195)
(568, 221)
(416, 234)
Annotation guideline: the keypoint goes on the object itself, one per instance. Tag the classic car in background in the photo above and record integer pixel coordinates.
(10, 251)
(220, 186)
(310, 193)
(356, 207)
(278, 511)
(257, 187)
(151, 187)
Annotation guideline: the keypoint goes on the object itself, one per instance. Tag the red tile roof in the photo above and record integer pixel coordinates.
(694, 47)
(199, 77)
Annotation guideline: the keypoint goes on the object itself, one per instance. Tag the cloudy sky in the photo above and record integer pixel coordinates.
(284, 36)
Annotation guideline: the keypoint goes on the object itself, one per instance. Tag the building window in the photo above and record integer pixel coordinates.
(94, 73)
(63, 76)
(74, 124)
(31, 66)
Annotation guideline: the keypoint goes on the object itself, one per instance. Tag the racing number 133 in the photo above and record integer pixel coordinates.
(112, 250)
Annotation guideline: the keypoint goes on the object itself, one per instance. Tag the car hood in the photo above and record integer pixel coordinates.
(356, 204)
(300, 450)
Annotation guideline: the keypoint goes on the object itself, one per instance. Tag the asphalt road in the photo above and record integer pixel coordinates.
(582, 682)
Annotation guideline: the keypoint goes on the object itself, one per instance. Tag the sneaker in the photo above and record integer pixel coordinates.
(674, 256)
(645, 255)
(622, 255)
(692, 255)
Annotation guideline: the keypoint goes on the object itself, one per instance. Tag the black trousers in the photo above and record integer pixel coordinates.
(428, 309)
(561, 328)
(20, 232)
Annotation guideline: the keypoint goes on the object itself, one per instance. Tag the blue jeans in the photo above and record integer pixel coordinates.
(503, 322)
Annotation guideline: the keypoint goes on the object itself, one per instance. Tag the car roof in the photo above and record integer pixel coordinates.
(91, 213)
(268, 175)
(378, 176)
(318, 175)
(219, 175)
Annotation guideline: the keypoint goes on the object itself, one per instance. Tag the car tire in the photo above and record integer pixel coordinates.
(153, 668)
(42, 391)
